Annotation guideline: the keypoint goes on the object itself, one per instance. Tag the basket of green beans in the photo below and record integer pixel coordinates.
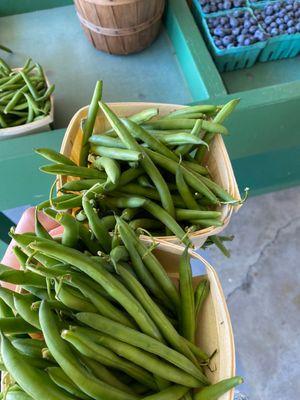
(163, 168)
(114, 322)
(26, 101)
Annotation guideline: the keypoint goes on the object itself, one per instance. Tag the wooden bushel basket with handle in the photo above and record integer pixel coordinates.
(120, 26)
(214, 331)
(217, 161)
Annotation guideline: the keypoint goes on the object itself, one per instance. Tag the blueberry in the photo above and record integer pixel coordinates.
(213, 8)
(230, 45)
(298, 27)
(289, 7)
(218, 42)
(247, 24)
(223, 20)
(226, 40)
(206, 9)
(290, 23)
(247, 42)
(273, 24)
(236, 13)
(220, 6)
(221, 47)
(269, 19)
(219, 32)
(244, 31)
(227, 5)
(269, 10)
(279, 21)
(291, 31)
(274, 32)
(252, 29)
(227, 26)
(236, 31)
(202, 2)
(282, 28)
(240, 38)
(233, 22)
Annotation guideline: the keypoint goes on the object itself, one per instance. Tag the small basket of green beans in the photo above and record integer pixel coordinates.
(126, 323)
(164, 168)
(26, 101)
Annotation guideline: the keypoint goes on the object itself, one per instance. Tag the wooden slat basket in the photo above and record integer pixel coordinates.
(120, 26)
(214, 331)
(218, 160)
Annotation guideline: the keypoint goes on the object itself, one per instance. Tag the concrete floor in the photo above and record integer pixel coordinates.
(261, 281)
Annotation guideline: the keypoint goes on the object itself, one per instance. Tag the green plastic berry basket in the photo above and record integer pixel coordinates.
(281, 46)
(196, 4)
(228, 59)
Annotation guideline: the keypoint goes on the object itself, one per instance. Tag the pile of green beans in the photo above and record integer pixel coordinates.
(24, 94)
(97, 317)
(147, 168)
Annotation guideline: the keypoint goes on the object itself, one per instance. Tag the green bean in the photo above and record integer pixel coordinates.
(201, 294)
(31, 114)
(206, 222)
(152, 263)
(103, 306)
(68, 362)
(146, 163)
(5, 66)
(16, 325)
(16, 395)
(225, 111)
(54, 156)
(106, 356)
(187, 306)
(72, 170)
(144, 115)
(119, 253)
(7, 296)
(14, 80)
(104, 374)
(199, 353)
(117, 153)
(153, 310)
(143, 274)
(191, 179)
(22, 305)
(145, 223)
(28, 82)
(104, 278)
(96, 225)
(78, 185)
(129, 213)
(144, 181)
(109, 222)
(29, 347)
(195, 167)
(72, 299)
(139, 133)
(185, 192)
(58, 376)
(149, 362)
(182, 214)
(186, 124)
(40, 231)
(219, 243)
(196, 131)
(5, 310)
(106, 141)
(191, 115)
(151, 193)
(32, 381)
(18, 277)
(179, 139)
(71, 229)
(110, 166)
(47, 94)
(15, 100)
(174, 392)
(214, 392)
(88, 126)
(216, 189)
(3, 122)
(191, 109)
(137, 339)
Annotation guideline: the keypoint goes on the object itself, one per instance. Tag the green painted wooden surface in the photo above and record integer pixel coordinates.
(11, 7)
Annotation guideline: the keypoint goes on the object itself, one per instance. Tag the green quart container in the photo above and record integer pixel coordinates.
(228, 59)
(281, 46)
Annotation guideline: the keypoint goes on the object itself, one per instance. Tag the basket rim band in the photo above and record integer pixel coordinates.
(121, 31)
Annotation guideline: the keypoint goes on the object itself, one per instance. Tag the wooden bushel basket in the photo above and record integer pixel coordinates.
(120, 26)
(214, 329)
(218, 161)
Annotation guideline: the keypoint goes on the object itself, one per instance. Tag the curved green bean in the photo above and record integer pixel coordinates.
(54, 156)
(110, 166)
(214, 392)
(73, 170)
(62, 380)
